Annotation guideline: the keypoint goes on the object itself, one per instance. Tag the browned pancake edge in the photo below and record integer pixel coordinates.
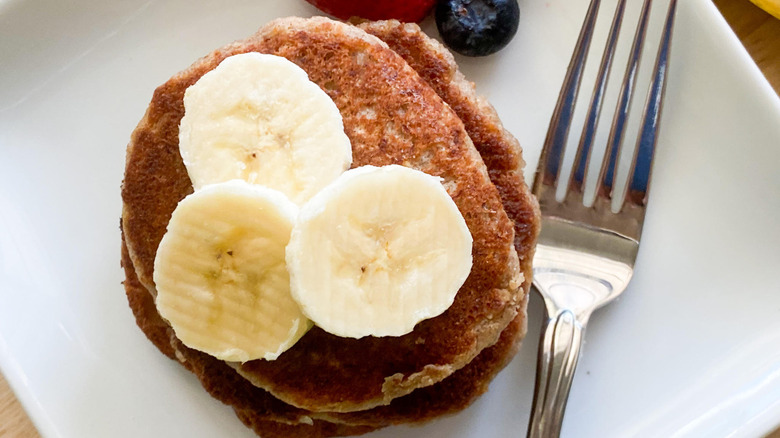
(263, 412)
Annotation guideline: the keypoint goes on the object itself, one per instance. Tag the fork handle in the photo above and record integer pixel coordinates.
(559, 349)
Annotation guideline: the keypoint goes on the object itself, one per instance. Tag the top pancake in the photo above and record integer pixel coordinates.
(391, 117)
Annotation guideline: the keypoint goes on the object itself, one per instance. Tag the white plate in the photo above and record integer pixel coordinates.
(692, 349)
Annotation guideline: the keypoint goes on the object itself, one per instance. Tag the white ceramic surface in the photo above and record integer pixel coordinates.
(692, 348)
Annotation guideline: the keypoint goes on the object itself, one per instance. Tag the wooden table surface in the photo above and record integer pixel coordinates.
(758, 31)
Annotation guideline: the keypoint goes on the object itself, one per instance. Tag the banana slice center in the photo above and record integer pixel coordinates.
(377, 251)
(220, 273)
(259, 118)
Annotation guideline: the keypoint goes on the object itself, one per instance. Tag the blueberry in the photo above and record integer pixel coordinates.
(477, 27)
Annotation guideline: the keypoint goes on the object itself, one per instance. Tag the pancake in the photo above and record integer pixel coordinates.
(459, 390)
(392, 117)
(271, 417)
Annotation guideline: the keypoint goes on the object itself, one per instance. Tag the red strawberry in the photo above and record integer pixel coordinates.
(402, 10)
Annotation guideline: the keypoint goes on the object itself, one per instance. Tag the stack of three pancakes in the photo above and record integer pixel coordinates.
(424, 115)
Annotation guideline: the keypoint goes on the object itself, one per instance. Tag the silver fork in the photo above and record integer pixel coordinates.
(585, 255)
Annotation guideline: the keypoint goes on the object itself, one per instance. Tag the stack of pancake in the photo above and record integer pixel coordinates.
(403, 101)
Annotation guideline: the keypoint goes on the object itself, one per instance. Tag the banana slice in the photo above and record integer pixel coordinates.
(377, 251)
(220, 273)
(259, 118)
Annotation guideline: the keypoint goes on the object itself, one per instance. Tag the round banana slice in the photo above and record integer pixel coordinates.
(377, 251)
(259, 118)
(220, 273)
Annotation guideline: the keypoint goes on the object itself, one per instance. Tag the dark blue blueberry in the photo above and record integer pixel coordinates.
(477, 27)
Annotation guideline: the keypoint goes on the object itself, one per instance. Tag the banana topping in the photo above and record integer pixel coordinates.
(377, 251)
(220, 273)
(259, 118)
(242, 273)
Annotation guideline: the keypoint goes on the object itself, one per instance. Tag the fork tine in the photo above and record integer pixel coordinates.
(552, 152)
(639, 178)
(577, 178)
(609, 164)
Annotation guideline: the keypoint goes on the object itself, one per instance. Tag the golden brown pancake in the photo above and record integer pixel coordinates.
(407, 124)
(447, 397)
(269, 416)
